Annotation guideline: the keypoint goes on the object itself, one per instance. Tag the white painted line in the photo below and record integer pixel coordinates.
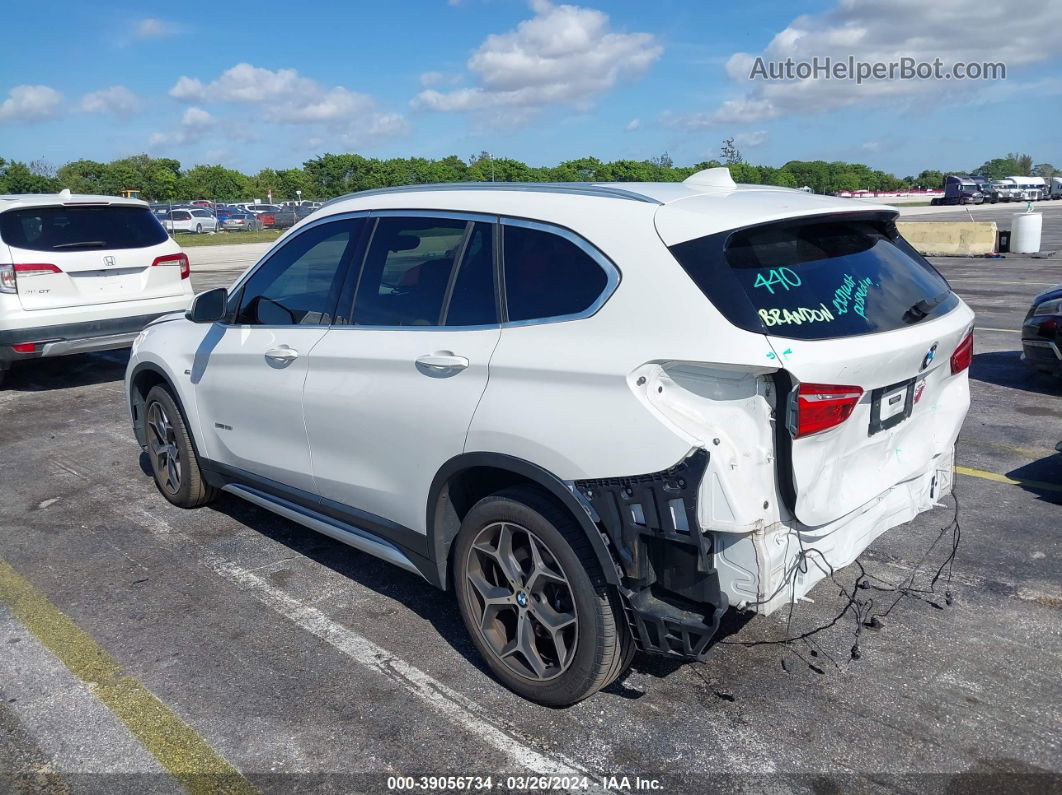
(1005, 330)
(445, 701)
(459, 709)
(996, 281)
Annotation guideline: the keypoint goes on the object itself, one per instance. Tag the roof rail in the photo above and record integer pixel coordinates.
(571, 188)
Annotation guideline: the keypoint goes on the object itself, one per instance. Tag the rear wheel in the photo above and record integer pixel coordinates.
(199, 229)
(534, 600)
(174, 462)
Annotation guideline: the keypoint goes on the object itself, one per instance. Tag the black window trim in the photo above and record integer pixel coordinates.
(612, 273)
(351, 278)
(471, 218)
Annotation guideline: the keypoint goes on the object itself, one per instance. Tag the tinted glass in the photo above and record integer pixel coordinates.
(296, 286)
(816, 280)
(547, 275)
(80, 228)
(407, 270)
(472, 300)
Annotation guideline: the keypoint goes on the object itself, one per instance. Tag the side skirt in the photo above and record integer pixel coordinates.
(363, 531)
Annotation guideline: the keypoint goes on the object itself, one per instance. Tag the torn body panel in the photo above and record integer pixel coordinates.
(755, 537)
(668, 578)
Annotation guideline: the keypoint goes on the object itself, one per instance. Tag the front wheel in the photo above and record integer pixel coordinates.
(174, 462)
(535, 602)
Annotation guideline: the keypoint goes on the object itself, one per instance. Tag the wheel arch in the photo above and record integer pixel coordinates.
(465, 479)
(146, 376)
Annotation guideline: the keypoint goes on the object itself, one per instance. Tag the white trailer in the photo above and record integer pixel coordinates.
(1031, 188)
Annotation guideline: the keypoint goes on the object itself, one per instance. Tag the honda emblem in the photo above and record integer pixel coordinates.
(108, 261)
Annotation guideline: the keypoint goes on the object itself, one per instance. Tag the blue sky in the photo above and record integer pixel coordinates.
(275, 83)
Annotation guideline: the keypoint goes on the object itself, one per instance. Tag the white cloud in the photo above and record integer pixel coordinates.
(196, 118)
(633, 125)
(563, 55)
(882, 31)
(194, 124)
(28, 103)
(287, 97)
(153, 28)
(751, 140)
(436, 79)
(117, 100)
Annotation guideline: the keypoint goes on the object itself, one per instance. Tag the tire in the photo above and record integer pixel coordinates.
(592, 645)
(199, 229)
(171, 452)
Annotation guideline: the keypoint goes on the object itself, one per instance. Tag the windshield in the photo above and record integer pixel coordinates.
(816, 279)
(71, 228)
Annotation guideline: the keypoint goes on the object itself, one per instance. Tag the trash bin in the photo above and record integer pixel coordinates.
(1025, 232)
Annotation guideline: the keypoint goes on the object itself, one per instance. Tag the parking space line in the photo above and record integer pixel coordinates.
(1005, 330)
(996, 281)
(1031, 484)
(452, 705)
(460, 710)
(179, 749)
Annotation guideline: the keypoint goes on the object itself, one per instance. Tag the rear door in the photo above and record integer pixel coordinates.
(865, 330)
(390, 395)
(83, 254)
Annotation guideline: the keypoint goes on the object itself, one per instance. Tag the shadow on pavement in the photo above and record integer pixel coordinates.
(1042, 477)
(1005, 368)
(66, 372)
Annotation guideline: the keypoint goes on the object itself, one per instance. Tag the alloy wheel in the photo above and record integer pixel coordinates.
(523, 601)
(162, 442)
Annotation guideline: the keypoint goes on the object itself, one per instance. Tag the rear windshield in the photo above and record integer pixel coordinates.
(816, 279)
(80, 228)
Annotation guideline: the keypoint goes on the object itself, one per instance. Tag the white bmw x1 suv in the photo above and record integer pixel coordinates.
(601, 414)
(82, 273)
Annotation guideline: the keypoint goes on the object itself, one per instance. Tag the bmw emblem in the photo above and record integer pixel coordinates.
(928, 358)
(521, 599)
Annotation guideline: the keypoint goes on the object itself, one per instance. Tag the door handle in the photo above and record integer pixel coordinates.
(441, 363)
(282, 354)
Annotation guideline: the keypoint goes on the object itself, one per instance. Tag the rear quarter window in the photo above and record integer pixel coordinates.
(819, 278)
(80, 228)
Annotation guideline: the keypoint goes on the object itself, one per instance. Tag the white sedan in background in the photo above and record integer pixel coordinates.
(193, 220)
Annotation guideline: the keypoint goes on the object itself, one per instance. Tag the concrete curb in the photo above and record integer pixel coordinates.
(950, 238)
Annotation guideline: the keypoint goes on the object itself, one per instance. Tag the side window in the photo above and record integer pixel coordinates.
(472, 299)
(407, 270)
(296, 286)
(547, 275)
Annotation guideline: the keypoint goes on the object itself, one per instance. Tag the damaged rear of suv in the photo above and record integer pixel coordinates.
(602, 414)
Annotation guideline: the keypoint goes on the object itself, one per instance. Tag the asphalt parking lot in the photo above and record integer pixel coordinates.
(232, 642)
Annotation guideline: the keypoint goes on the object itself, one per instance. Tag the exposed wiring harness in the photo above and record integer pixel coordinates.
(861, 607)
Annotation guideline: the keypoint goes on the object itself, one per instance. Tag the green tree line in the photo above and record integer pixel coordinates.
(329, 175)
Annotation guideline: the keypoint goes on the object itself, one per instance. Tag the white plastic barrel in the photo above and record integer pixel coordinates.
(1025, 232)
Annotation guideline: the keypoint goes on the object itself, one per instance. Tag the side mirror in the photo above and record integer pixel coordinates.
(208, 307)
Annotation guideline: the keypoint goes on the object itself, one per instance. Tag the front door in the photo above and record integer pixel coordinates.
(249, 374)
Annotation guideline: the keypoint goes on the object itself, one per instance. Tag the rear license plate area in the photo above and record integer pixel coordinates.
(891, 405)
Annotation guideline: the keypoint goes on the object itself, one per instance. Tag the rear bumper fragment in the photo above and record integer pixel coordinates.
(59, 340)
(668, 578)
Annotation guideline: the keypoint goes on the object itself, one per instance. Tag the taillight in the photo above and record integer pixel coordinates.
(175, 259)
(963, 355)
(820, 407)
(34, 269)
(25, 347)
(7, 278)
